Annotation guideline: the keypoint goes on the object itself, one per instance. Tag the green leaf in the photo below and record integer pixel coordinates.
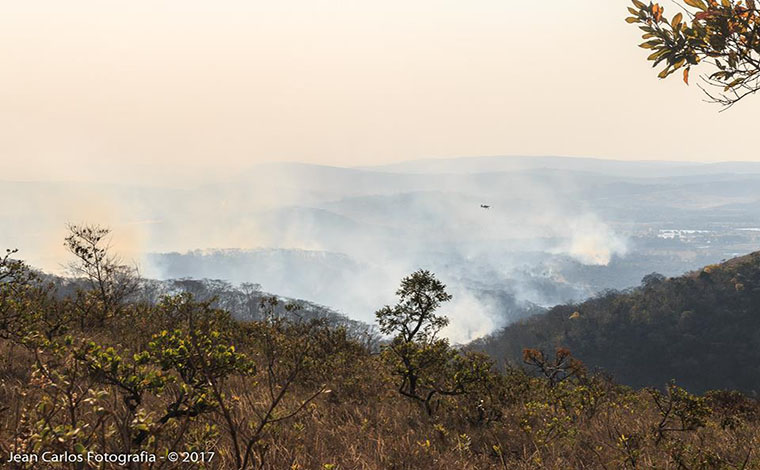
(738, 81)
(650, 44)
(696, 4)
(676, 21)
(657, 54)
(679, 64)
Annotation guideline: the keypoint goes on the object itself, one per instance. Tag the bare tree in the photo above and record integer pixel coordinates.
(251, 299)
(112, 281)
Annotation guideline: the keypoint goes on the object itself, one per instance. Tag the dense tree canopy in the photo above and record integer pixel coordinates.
(702, 329)
(723, 34)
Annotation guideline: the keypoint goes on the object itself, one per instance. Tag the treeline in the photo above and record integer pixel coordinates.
(243, 301)
(103, 370)
(701, 329)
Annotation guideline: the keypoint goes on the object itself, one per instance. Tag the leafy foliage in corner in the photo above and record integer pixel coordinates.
(724, 34)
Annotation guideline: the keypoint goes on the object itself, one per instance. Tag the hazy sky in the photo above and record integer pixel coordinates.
(188, 85)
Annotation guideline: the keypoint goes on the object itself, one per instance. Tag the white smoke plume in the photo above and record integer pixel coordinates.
(340, 237)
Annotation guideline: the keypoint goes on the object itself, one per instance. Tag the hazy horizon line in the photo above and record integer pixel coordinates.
(198, 171)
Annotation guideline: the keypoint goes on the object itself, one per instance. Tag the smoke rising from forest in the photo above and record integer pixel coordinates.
(556, 229)
(339, 237)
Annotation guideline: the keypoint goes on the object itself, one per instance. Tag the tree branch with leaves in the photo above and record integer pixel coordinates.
(722, 34)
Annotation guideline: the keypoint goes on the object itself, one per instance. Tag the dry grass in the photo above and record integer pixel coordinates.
(363, 423)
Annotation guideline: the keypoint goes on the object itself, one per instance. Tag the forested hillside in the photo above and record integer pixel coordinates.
(102, 375)
(701, 329)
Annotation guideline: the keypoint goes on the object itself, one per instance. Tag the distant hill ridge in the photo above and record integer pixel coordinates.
(643, 168)
(702, 329)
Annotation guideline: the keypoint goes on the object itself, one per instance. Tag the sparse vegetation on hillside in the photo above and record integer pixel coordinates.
(283, 391)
